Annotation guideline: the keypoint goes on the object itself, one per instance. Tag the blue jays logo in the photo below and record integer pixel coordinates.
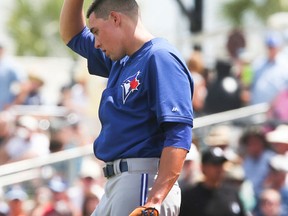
(130, 85)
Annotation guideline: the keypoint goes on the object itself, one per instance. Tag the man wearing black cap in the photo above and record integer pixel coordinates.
(210, 197)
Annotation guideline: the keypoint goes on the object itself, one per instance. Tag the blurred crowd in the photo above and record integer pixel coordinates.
(239, 168)
(238, 172)
(64, 188)
(233, 169)
(240, 79)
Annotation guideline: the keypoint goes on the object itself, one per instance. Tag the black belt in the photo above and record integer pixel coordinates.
(109, 169)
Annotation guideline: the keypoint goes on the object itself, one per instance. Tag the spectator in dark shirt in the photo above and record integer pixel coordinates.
(223, 91)
(211, 197)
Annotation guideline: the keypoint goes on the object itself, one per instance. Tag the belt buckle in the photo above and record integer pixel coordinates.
(108, 170)
(123, 166)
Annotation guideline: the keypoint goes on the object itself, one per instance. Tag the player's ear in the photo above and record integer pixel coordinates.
(115, 17)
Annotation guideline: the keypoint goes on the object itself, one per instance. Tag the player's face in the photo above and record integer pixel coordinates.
(106, 32)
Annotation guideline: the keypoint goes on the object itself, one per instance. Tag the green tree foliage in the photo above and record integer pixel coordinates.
(234, 10)
(34, 26)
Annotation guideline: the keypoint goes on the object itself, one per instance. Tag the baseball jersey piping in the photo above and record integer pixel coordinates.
(144, 188)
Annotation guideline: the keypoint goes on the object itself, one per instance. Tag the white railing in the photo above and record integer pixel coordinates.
(30, 169)
(231, 115)
(42, 110)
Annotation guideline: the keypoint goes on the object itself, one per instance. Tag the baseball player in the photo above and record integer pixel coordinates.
(145, 111)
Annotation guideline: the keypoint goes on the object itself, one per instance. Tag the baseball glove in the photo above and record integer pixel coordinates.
(145, 211)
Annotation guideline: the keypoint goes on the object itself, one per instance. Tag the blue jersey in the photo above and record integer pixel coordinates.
(144, 90)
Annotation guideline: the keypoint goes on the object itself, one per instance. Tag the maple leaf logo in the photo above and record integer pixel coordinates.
(130, 85)
(134, 84)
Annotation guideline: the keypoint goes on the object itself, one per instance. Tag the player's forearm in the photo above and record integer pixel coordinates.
(171, 163)
(72, 19)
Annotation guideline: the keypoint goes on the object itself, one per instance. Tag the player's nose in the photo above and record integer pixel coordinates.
(97, 44)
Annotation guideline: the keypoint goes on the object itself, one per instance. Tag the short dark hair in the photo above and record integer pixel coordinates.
(254, 131)
(103, 8)
(213, 155)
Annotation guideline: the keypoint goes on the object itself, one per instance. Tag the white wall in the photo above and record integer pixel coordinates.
(164, 19)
